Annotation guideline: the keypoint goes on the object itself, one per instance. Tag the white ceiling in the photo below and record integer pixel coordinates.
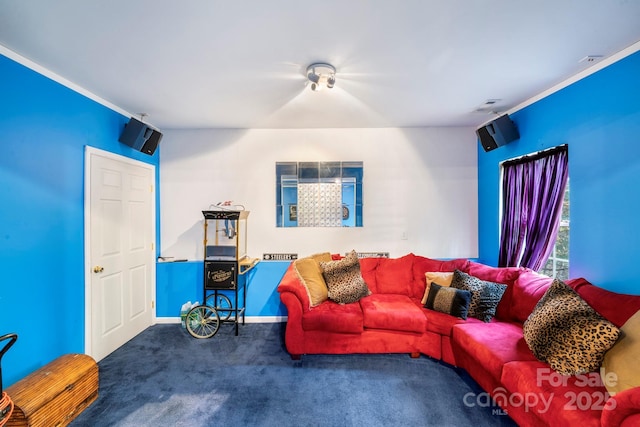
(240, 64)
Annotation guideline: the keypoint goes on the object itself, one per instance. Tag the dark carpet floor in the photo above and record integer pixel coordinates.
(164, 377)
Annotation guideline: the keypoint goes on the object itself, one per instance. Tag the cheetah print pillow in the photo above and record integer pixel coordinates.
(564, 331)
(344, 281)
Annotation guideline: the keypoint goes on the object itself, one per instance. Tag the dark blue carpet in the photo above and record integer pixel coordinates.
(164, 377)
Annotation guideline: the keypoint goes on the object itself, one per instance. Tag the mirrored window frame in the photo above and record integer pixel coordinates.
(319, 194)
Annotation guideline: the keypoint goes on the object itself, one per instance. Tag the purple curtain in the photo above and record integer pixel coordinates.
(532, 193)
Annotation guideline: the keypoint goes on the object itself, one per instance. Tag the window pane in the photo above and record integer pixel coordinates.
(548, 267)
(352, 170)
(348, 203)
(286, 168)
(562, 270)
(565, 204)
(562, 243)
(329, 169)
(308, 171)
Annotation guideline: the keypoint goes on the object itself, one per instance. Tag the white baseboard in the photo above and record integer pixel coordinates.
(167, 320)
(266, 319)
(248, 319)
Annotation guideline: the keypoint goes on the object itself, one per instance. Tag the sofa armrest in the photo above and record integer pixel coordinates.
(294, 297)
(290, 282)
(623, 409)
(294, 334)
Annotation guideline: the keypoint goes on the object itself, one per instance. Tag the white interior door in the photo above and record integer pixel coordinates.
(120, 218)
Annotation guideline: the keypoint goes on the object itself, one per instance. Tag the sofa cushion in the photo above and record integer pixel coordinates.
(344, 281)
(484, 348)
(442, 323)
(333, 317)
(442, 278)
(452, 301)
(395, 275)
(622, 359)
(528, 288)
(485, 295)
(567, 333)
(310, 274)
(392, 312)
(556, 399)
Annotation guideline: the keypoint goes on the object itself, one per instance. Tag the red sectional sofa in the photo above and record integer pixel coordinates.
(495, 354)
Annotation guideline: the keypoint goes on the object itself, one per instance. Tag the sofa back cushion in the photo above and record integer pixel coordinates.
(368, 268)
(395, 275)
(528, 288)
(617, 308)
(421, 265)
(504, 275)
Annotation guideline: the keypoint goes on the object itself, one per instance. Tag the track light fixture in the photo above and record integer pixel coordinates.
(321, 75)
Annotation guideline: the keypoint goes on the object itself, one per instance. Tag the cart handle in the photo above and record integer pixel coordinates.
(247, 264)
(12, 338)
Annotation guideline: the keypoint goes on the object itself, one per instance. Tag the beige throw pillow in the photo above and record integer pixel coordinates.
(310, 274)
(442, 278)
(623, 358)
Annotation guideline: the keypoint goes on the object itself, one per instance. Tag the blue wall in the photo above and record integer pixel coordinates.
(599, 118)
(44, 128)
(179, 282)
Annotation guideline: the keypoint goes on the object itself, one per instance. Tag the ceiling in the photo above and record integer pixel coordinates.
(241, 64)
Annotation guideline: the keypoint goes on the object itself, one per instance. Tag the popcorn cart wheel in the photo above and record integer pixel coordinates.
(202, 321)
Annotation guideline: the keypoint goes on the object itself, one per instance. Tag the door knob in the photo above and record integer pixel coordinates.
(98, 269)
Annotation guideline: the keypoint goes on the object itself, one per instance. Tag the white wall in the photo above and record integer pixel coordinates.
(418, 181)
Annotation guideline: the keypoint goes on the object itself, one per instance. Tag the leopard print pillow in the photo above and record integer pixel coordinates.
(344, 280)
(564, 331)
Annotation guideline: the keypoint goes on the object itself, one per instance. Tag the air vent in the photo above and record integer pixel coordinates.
(591, 58)
(489, 106)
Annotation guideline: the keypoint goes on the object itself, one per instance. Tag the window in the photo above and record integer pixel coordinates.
(319, 194)
(558, 263)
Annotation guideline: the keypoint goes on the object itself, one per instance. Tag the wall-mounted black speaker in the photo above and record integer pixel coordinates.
(140, 136)
(497, 133)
